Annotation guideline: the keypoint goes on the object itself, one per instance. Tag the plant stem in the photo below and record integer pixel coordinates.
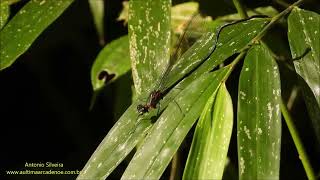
(292, 98)
(234, 63)
(174, 166)
(241, 10)
(275, 19)
(297, 141)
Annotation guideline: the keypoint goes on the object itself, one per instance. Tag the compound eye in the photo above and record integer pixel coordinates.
(141, 109)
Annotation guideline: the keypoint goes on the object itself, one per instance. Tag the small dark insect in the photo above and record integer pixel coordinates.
(154, 98)
(156, 95)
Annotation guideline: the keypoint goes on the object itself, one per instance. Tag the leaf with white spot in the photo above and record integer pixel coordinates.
(259, 117)
(118, 143)
(168, 132)
(4, 13)
(23, 29)
(130, 129)
(149, 36)
(97, 10)
(232, 40)
(208, 153)
(304, 34)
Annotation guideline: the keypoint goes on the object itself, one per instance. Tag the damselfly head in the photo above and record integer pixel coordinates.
(142, 109)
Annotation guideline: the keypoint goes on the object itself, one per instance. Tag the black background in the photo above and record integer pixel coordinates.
(45, 95)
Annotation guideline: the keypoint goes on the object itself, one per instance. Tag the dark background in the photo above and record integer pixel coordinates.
(45, 95)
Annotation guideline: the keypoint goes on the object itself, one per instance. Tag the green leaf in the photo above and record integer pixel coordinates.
(112, 62)
(259, 118)
(120, 140)
(4, 13)
(130, 129)
(232, 40)
(18, 35)
(208, 153)
(97, 10)
(303, 34)
(113, 59)
(166, 135)
(149, 34)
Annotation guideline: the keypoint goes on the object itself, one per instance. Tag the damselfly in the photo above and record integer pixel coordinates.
(156, 95)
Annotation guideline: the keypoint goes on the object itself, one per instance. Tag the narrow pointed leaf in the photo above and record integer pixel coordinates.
(129, 129)
(97, 10)
(232, 40)
(208, 153)
(149, 34)
(259, 118)
(4, 13)
(18, 35)
(118, 143)
(304, 34)
(165, 137)
(112, 62)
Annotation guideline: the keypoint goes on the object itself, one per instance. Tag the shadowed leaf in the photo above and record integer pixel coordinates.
(304, 34)
(18, 35)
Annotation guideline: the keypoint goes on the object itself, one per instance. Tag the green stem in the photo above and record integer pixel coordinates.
(297, 141)
(174, 166)
(234, 63)
(262, 33)
(275, 19)
(241, 10)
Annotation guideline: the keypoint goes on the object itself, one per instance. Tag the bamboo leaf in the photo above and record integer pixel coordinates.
(166, 135)
(18, 35)
(112, 62)
(149, 34)
(118, 143)
(208, 153)
(129, 129)
(4, 13)
(97, 10)
(259, 118)
(304, 34)
(232, 40)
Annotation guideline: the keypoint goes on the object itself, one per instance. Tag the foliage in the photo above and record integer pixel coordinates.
(193, 84)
